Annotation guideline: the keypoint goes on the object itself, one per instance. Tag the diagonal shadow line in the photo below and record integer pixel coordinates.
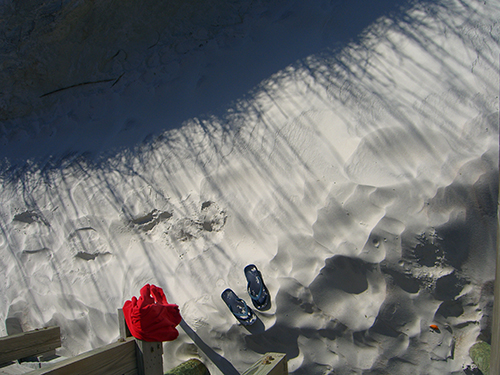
(222, 363)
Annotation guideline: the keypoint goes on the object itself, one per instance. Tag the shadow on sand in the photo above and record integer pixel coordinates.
(222, 363)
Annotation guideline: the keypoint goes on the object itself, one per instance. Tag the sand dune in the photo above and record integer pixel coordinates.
(361, 177)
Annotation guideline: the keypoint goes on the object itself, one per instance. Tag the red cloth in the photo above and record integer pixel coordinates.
(152, 318)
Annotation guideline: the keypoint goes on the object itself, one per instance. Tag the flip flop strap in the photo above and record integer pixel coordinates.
(241, 315)
(256, 298)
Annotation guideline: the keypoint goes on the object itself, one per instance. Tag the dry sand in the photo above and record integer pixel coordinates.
(353, 159)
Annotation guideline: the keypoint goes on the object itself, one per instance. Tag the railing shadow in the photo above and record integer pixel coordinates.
(222, 363)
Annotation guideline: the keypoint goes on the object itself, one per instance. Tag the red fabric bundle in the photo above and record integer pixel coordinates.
(152, 318)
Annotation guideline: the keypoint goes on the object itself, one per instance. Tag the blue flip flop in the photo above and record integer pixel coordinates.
(256, 288)
(238, 307)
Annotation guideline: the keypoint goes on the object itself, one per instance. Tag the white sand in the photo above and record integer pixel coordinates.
(361, 178)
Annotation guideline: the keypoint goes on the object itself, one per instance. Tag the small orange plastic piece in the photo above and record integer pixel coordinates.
(435, 327)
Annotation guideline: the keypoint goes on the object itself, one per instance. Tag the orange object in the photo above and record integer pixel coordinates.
(435, 327)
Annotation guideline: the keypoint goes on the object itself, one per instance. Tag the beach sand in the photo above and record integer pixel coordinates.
(349, 152)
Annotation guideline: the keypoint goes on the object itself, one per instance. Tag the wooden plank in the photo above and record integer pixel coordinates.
(122, 324)
(113, 359)
(14, 327)
(269, 364)
(29, 343)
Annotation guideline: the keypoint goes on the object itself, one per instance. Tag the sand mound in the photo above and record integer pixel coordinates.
(361, 178)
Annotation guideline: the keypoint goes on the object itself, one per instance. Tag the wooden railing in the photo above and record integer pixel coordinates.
(29, 344)
(127, 356)
(113, 359)
(269, 364)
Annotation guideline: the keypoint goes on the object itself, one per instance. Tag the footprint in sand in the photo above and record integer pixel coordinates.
(149, 221)
(37, 239)
(29, 217)
(85, 243)
(37, 233)
(210, 219)
(146, 208)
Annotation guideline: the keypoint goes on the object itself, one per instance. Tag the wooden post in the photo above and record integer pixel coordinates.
(149, 357)
(269, 364)
(149, 354)
(495, 330)
(122, 325)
